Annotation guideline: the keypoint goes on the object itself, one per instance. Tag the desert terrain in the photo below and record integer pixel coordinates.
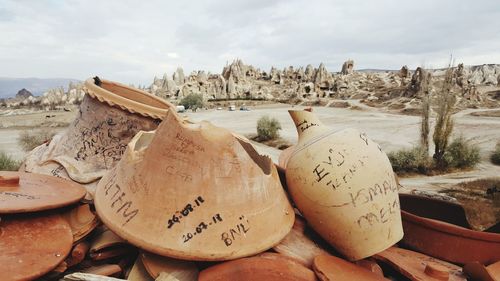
(391, 130)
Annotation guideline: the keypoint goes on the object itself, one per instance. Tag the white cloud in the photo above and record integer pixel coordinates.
(172, 55)
(132, 41)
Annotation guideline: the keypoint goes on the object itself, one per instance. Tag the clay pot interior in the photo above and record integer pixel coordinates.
(81, 220)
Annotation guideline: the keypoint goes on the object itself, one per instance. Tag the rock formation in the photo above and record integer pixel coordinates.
(348, 67)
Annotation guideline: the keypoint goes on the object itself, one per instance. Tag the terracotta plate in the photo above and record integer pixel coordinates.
(271, 267)
(32, 245)
(35, 192)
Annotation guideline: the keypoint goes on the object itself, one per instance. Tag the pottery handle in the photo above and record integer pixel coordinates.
(9, 180)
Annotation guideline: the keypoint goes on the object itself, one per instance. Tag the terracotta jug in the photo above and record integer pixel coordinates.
(343, 184)
(109, 116)
(194, 192)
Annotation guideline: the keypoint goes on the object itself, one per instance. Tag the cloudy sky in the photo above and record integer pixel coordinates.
(132, 41)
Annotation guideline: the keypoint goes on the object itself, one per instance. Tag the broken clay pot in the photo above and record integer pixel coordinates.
(32, 245)
(109, 116)
(479, 272)
(417, 266)
(25, 192)
(271, 267)
(194, 192)
(332, 268)
(343, 184)
(450, 242)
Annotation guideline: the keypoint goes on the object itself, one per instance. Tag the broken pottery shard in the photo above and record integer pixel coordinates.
(105, 270)
(139, 272)
(79, 276)
(194, 192)
(31, 246)
(298, 245)
(330, 268)
(450, 242)
(343, 184)
(478, 271)
(77, 254)
(34, 192)
(433, 208)
(416, 266)
(272, 267)
(109, 116)
(81, 220)
(371, 265)
(178, 269)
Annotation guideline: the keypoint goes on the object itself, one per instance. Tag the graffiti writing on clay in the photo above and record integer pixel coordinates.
(201, 227)
(19, 195)
(119, 202)
(105, 141)
(381, 215)
(236, 232)
(304, 125)
(334, 159)
(189, 208)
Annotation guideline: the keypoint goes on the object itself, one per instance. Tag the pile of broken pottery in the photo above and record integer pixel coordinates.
(133, 191)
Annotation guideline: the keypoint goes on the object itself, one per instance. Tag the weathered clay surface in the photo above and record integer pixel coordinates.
(271, 267)
(417, 266)
(330, 268)
(32, 245)
(36, 192)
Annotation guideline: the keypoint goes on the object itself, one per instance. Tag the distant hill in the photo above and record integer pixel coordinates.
(37, 86)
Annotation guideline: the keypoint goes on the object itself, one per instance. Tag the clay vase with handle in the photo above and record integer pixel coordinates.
(343, 184)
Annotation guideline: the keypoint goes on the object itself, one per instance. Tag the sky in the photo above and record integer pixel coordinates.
(132, 41)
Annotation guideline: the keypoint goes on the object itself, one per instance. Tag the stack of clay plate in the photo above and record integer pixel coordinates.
(34, 235)
(109, 116)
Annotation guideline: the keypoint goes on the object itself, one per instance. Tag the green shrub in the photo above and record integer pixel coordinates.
(192, 101)
(495, 156)
(267, 128)
(7, 163)
(28, 140)
(461, 153)
(414, 160)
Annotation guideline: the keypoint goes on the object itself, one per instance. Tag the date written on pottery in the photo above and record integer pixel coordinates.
(240, 229)
(201, 227)
(176, 218)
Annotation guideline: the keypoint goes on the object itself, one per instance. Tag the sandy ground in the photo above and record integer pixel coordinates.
(391, 131)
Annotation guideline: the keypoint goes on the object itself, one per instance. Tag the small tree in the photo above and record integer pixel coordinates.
(426, 106)
(192, 101)
(267, 128)
(7, 163)
(444, 123)
(461, 153)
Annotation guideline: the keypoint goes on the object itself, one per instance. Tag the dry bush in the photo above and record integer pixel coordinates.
(7, 163)
(495, 156)
(28, 140)
(414, 160)
(461, 154)
(267, 128)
